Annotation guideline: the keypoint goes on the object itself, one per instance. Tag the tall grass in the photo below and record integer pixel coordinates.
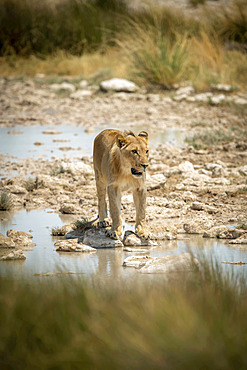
(31, 26)
(198, 323)
(155, 57)
(154, 45)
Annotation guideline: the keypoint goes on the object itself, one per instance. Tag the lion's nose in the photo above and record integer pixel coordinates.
(144, 166)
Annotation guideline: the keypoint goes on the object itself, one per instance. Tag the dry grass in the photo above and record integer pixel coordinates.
(62, 63)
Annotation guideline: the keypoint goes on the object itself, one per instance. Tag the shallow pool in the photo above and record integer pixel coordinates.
(105, 262)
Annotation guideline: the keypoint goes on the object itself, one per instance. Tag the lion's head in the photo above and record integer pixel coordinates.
(134, 152)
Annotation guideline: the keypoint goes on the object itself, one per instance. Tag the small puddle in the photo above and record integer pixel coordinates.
(49, 141)
(105, 262)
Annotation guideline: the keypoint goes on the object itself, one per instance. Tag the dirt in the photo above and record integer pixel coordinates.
(212, 176)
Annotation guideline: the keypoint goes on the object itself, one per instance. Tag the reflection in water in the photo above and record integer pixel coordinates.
(105, 262)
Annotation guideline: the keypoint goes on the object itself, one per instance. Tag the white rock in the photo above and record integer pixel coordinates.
(222, 87)
(173, 263)
(241, 240)
(243, 170)
(217, 99)
(186, 167)
(81, 94)
(204, 97)
(223, 232)
(197, 206)
(76, 167)
(6, 242)
(118, 85)
(136, 250)
(132, 239)
(72, 245)
(21, 238)
(136, 261)
(238, 100)
(156, 180)
(63, 86)
(98, 239)
(83, 84)
(14, 255)
(185, 90)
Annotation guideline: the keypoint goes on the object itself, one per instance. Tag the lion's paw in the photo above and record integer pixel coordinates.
(103, 224)
(142, 232)
(112, 234)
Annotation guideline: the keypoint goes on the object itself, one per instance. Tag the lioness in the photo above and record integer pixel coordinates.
(120, 161)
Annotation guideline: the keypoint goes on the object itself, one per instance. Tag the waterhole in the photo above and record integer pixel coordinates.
(104, 263)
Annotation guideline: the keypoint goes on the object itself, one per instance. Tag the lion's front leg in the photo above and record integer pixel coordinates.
(139, 196)
(114, 196)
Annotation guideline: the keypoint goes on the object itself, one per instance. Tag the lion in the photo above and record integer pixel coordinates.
(120, 162)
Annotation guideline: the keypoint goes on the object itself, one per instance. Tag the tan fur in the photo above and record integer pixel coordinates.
(120, 160)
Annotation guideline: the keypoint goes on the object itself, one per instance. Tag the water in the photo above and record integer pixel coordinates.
(22, 143)
(104, 263)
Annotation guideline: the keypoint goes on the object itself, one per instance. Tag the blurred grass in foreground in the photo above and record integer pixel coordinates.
(197, 323)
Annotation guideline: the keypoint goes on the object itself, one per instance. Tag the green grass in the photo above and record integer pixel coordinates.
(208, 138)
(5, 201)
(198, 323)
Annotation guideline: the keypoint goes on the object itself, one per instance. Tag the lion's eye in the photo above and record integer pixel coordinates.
(147, 151)
(134, 151)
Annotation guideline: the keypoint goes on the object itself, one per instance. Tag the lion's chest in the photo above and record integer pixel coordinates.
(129, 183)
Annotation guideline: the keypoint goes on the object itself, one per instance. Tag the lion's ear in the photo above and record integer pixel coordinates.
(121, 141)
(144, 136)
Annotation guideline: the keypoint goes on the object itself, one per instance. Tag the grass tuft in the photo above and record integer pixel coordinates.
(5, 201)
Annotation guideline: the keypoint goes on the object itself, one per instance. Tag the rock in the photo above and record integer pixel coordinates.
(83, 84)
(136, 250)
(6, 242)
(166, 235)
(118, 85)
(223, 232)
(66, 229)
(185, 90)
(14, 255)
(63, 86)
(15, 189)
(136, 261)
(241, 240)
(197, 206)
(78, 167)
(131, 239)
(243, 170)
(217, 169)
(72, 245)
(222, 87)
(198, 226)
(202, 98)
(168, 264)
(68, 208)
(186, 167)
(155, 181)
(21, 238)
(81, 94)
(98, 239)
(217, 99)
